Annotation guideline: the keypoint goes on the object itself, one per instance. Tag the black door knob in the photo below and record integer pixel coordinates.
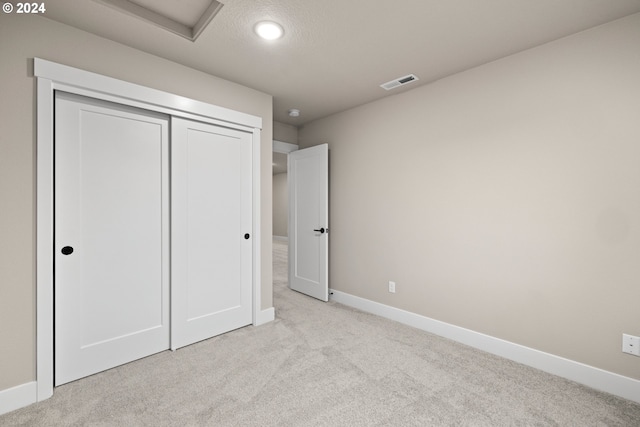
(321, 231)
(67, 250)
(246, 236)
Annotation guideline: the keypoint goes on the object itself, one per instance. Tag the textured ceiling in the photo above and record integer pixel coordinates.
(336, 53)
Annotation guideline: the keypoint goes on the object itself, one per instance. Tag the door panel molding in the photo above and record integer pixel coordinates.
(50, 77)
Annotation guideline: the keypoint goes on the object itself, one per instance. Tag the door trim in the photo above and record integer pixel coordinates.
(50, 77)
(284, 147)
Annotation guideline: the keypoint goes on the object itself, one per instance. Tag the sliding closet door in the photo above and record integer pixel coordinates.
(111, 235)
(211, 230)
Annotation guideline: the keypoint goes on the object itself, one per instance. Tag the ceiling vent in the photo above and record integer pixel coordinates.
(399, 82)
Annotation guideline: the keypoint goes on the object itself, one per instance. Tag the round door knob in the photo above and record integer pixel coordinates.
(246, 236)
(67, 250)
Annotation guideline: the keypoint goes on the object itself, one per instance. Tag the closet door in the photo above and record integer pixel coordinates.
(111, 235)
(211, 230)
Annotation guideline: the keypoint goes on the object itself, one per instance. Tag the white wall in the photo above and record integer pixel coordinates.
(504, 199)
(23, 37)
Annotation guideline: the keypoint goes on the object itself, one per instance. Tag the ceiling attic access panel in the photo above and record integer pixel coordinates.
(186, 18)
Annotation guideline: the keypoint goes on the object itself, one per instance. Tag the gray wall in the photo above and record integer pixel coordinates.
(280, 205)
(23, 37)
(285, 133)
(504, 199)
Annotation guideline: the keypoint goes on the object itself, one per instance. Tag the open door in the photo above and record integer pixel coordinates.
(309, 221)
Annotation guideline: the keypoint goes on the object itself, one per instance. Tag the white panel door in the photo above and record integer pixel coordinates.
(111, 235)
(211, 230)
(309, 221)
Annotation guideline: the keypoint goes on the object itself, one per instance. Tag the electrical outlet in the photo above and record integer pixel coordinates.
(392, 287)
(631, 344)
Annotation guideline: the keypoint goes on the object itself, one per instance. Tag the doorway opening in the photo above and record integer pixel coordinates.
(280, 175)
(280, 212)
(301, 215)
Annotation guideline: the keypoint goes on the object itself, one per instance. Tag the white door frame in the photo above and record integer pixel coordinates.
(52, 76)
(284, 147)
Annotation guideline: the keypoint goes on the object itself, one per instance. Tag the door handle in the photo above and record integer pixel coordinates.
(67, 250)
(321, 231)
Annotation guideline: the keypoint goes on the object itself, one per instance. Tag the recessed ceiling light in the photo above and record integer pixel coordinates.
(269, 30)
(294, 112)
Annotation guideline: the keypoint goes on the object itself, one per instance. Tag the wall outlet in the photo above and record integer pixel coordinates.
(631, 344)
(392, 287)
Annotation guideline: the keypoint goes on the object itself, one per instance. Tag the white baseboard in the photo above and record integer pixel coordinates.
(265, 316)
(18, 397)
(590, 376)
(281, 238)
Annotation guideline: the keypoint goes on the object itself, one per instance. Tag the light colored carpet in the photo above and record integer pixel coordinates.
(324, 364)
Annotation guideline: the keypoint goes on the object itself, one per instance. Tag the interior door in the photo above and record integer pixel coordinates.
(211, 171)
(111, 235)
(309, 221)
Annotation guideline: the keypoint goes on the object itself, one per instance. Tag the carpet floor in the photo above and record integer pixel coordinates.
(324, 364)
